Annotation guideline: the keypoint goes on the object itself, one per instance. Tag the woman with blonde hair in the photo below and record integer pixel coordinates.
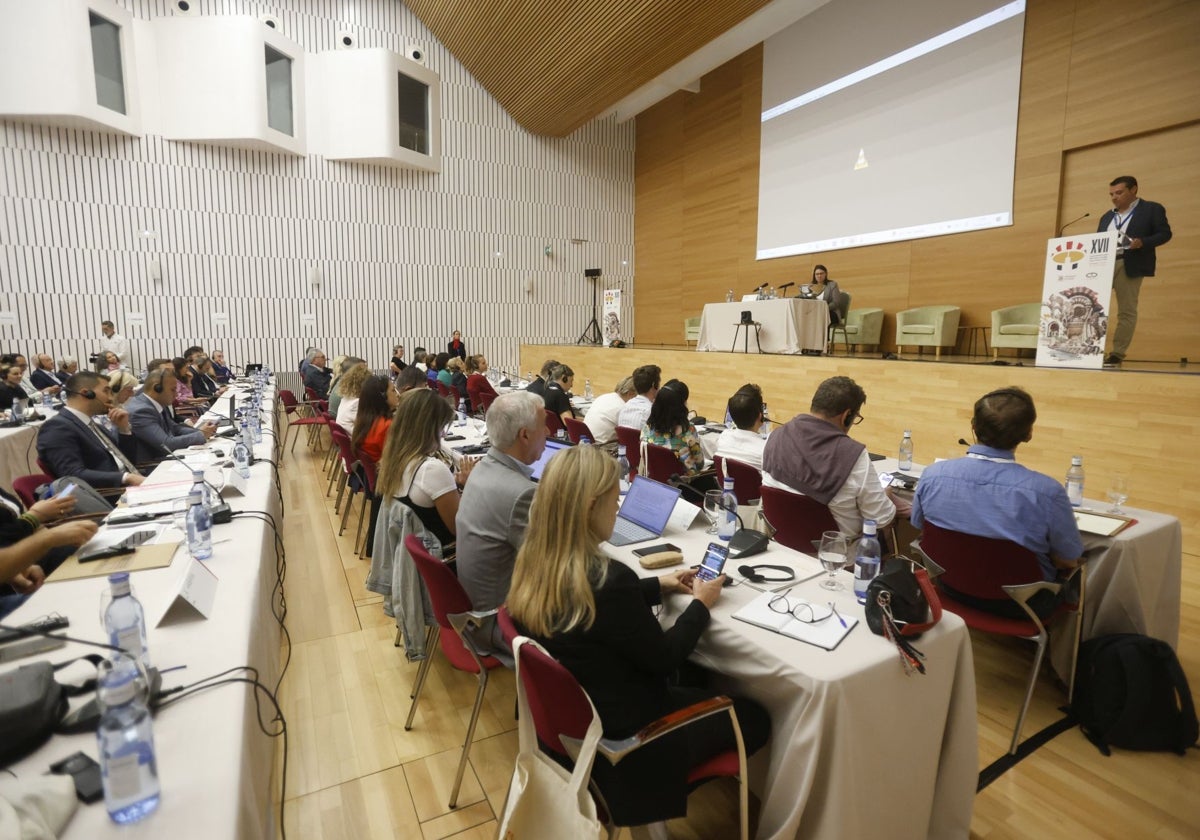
(479, 390)
(349, 387)
(122, 383)
(594, 616)
(412, 470)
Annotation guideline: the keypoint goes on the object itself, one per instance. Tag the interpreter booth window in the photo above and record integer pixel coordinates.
(414, 114)
(279, 91)
(106, 63)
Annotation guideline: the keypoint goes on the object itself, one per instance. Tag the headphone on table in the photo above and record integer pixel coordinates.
(752, 573)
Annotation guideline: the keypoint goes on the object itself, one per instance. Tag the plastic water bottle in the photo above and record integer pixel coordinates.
(199, 527)
(199, 486)
(867, 554)
(729, 296)
(45, 399)
(255, 423)
(241, 459)
(623, 467)
(125, 740)
(765, 428)
(584, 440)
(247, 435)
(462, 412)
(1075, 481)
(124, 619)
(728, 523)
(906, 451)
(587, 389)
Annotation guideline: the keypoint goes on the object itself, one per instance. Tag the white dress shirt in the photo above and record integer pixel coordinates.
(741, 445)
(635, 413)
(602, 417)
(118, 344)
(860, 497)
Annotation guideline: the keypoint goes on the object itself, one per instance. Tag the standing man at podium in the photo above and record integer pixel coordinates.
(1141, 226)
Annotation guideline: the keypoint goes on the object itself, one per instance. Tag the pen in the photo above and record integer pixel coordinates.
(838, 614)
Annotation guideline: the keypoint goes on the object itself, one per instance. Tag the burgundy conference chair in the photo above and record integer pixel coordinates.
(798, 520)
(631, 439)
(747, 481)
(577, 430)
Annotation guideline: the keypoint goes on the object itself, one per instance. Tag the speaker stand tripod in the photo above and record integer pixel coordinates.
(591, 333)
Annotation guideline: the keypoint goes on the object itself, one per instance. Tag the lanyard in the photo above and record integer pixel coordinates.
(979, 457)
(1118, 222)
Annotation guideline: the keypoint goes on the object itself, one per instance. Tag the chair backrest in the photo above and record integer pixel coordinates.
(444, 390)
(577, 430)
(486, 398)
(979, 566)
(631, 439)
(369, 469)
(290, 403)
(798, 520)
(557, 702)
(662, 464)
(26, 487)
(553, 423)
(843, 306)
(44, 467)
(345, 448)
(446, 594)
(508, 630)
(747, 481)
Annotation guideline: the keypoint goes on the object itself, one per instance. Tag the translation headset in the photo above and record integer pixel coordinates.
(86, 393)
(754, 575)
(158, 376)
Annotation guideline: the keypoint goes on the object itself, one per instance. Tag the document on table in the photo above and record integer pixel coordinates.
(1102, 524)
(825, 632)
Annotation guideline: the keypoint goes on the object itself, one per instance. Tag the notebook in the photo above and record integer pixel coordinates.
(826, 632)
(644, 511)
(553, 447)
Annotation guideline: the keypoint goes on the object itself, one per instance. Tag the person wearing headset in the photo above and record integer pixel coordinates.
(988, 494)
(154, 427)
(72, 443)
(813, 454)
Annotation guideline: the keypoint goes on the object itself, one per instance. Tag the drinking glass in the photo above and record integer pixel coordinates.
(713, 509)
(832, 555)
(1118, 493)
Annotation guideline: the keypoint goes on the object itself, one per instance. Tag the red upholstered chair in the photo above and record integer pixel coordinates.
(554, 423)
(747, 480)
(452, 610)
(445, 390)
(368, 472)
(662, 463)
(293, 410)
(313, 399)
(346, 463)
(26, 487)
(631, 439)
(577, 430)
(798, 520)
(991, 569)
(562, 712)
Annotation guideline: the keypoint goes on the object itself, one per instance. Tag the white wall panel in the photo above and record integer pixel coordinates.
(405, 256)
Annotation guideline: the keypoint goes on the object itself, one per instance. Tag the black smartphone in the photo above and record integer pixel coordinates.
(86, 772)
(713, 563)
(453, 437)
(654, 549)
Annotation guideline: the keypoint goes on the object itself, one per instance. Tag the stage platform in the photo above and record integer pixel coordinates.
(1140, 420)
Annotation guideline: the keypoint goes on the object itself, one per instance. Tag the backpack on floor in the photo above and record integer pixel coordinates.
(1131, 692)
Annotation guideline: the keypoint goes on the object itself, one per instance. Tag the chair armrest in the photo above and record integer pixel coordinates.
(616, 749)
(471, 619)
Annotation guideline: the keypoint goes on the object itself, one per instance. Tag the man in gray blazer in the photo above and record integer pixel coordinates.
(494, 510)
(153, 425)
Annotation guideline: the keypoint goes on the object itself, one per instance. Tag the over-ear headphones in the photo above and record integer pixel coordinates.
(752, 573)
(86, 393)
(158, 376)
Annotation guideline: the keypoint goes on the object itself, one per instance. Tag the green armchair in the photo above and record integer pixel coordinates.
(927, 326)
(864, 326)
(1016, 326)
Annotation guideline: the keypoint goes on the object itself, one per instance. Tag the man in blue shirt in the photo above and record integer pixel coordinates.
(988, 494)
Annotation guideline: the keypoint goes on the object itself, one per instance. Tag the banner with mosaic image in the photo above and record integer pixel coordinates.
(1075, 300)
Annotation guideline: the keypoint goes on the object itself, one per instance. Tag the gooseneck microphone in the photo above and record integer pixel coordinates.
(221, 512)
(1073, 221)
(745, 542)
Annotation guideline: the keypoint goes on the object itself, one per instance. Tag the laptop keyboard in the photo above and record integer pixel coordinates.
(626, 532)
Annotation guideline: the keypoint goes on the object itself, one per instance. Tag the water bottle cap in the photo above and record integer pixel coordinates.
(1076, 460)
(728, 482)
(196, 497)
(119, 581)
(907, 433)
(620, 449)
(869, 527)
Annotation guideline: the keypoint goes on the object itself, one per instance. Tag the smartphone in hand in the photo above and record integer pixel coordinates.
(713, 564)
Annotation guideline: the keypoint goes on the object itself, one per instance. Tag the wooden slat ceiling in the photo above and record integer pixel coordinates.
(555, 64)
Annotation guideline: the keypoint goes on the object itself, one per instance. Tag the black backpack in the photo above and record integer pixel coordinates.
(1131, 692)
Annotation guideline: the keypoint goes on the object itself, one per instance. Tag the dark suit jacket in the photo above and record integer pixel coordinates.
(153, 431)
(43, 379)
(203, 385)
(623, 662)
(66, 446)
(460, 350)
(1149, 224)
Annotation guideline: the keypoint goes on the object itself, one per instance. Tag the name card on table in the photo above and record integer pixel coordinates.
(193, 595)
(236, 483)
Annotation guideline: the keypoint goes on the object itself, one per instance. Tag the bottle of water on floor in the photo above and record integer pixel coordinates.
(125, 738)
(906, 451)
(867, 554)
(1075, 481)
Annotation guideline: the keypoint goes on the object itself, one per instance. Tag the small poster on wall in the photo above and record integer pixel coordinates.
(1075, 300)
(612, 315)
(308, 323)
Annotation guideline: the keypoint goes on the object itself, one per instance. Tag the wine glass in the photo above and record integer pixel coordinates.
(713, 509)
(1118, 492)
(832, 555)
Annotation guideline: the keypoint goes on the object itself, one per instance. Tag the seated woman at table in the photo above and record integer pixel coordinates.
(826, 289)
(10, 387)
(349, 387)
(594, 616)
(122, 383)
(186, 404)
(29, 551)
(478, 388)
(458, 379)
(444, 374)
(109, 361)
(412, 468)
(376, 404)
(669, 426)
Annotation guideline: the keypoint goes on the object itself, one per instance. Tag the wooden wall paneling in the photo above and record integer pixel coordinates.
(1137, 423)
(1167, 166)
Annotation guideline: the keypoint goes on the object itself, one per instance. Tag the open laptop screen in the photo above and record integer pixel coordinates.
(649, 503)
(553, 447)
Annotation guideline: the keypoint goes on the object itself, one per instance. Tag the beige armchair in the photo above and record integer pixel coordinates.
(1016, 326)
(864, 326)
(691, 330)
(927, 326)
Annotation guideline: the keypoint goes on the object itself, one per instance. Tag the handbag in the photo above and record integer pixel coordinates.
(902, 603)
(31, 705)
(545, 801)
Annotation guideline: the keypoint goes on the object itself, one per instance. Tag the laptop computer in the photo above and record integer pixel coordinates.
(644, 511)
(553, 447)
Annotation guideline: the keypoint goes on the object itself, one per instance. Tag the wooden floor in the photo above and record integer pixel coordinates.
(355, 774)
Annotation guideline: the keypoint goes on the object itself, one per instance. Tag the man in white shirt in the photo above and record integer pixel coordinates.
(646, 381)
(602, 417)
(812, 454)
(116, 343)
(744, 442)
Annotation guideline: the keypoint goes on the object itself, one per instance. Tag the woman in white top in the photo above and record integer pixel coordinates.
(413, 470)
(349, 386)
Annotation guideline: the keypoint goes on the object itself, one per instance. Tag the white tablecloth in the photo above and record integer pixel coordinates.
(789, 325)
(858, 749)
(18, 450)
(214, 763)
